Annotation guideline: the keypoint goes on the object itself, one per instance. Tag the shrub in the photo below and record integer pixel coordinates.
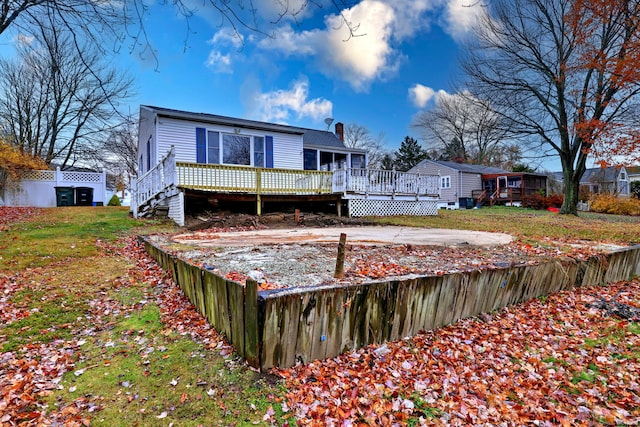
(540, 202)
(606, 203)
(635, 189)
(114, 201)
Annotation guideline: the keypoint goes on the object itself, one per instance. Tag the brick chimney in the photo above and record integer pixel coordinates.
(340, 131)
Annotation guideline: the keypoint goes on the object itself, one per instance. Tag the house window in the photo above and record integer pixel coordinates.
(213, 147)
(149, 154)
(236, 149)
(357, 161)
(445, 182)
(310, 159)
(258, 151)
(623, 176)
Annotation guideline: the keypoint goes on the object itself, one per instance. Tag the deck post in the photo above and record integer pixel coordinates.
(258, 187)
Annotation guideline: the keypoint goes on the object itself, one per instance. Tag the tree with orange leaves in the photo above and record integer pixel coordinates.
(566, 76)
(13, 162)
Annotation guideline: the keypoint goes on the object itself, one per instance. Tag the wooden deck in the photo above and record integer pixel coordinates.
(244, 183)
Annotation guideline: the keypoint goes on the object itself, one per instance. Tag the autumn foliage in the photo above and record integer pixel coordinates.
(539, 202)
(607, 203)
(617, 59)
(13, 162)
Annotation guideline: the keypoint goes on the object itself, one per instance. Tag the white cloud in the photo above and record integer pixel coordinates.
(410, 16)
(218, 61)
(461, 16)
(420, 95)
(280, 105)
(358, 60)
(23, 40)
(227, 37)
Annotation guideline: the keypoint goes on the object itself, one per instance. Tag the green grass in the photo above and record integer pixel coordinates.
(69, 232)
(138, 372)
(126, 369)
(530, 224)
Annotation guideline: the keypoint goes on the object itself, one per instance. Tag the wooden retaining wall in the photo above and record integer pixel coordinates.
(282, 327)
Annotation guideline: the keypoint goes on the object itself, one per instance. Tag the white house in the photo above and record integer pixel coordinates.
(609, 180)
(216, 158)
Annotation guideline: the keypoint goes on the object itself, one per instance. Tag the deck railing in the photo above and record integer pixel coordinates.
(243, 179)
(159, 178)
(378, 181)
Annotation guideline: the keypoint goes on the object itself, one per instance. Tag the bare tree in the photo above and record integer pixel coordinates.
(358, 136)
(53, 103)
(463, 127)
(116, 154)
(565, 73)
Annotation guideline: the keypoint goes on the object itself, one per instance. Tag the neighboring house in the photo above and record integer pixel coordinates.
(634, 173)
(463, 185)
(609, 180)
(184, 156)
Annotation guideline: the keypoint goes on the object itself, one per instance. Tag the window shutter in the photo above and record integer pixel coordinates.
(201, 145)
(268, 151)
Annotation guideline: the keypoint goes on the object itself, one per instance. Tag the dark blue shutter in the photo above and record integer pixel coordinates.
(268, 151)
(201, 145)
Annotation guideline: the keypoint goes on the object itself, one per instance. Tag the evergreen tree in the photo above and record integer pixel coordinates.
(387, 162)
(409, 154)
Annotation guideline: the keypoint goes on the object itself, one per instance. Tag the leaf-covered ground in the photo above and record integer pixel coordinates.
(572, 358)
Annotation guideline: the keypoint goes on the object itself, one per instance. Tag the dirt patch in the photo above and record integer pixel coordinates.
(279, 257)
(230, 220)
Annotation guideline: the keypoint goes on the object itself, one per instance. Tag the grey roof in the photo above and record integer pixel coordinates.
(608, 174)
(322, 138)
(309, 136)
(599, 175)
(463, 167)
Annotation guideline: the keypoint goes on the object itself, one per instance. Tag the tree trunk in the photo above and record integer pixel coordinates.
(570, 202)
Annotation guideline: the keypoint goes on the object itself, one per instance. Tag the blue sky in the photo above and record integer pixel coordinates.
(405, 53)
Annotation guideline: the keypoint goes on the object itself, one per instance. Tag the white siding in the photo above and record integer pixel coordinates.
(146, 132)
(287, 149)
(179, 133)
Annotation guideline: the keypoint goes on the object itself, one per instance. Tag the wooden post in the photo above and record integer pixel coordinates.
(340, 260)
(258, 191)
(251, 351)
(297, 215)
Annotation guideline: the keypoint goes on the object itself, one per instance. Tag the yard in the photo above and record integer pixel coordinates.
(93, 333)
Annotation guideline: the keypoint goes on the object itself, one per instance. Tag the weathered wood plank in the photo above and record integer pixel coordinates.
(235, 295)
(306, 325)
(223, 317)
(210, 300)
(251, 323)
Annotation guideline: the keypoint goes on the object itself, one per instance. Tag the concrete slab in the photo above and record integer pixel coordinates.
(370, 236)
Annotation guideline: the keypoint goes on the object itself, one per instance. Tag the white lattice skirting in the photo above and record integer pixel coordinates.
(392, 207)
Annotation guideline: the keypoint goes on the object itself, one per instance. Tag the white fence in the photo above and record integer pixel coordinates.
(385, 182)
(37, 188)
